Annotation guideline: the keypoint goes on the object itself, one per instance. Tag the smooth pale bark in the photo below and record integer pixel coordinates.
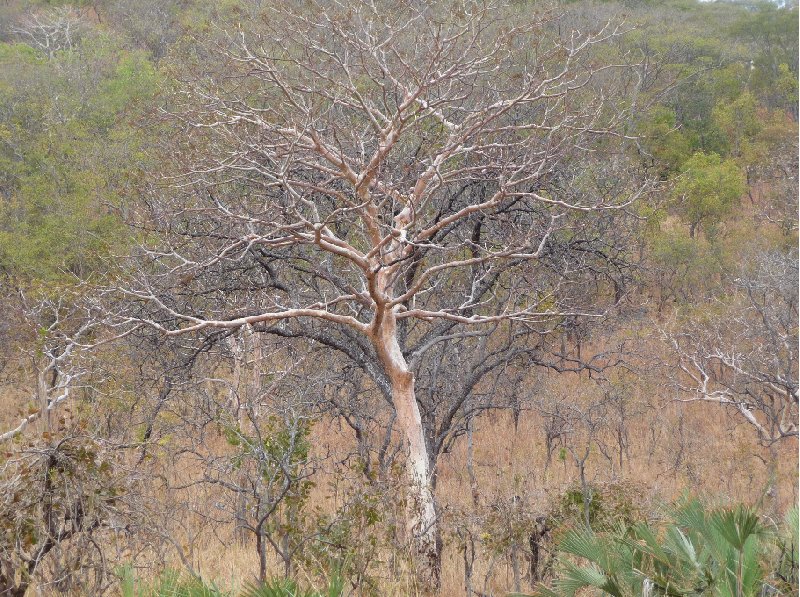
(44, 402)
(422, 524)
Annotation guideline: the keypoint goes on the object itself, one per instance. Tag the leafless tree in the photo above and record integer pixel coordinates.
(50, 31)
(744, 355)
(267, 472)
(382, 180)
(152, 24)
(59, 329)
(585, 424)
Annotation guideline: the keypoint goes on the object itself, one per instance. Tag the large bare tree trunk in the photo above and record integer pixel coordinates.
(423, 529)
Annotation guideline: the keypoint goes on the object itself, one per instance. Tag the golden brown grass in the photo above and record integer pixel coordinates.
(672, 448)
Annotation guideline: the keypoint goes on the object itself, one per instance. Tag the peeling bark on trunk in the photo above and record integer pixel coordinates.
(423, 526)
(423, 529)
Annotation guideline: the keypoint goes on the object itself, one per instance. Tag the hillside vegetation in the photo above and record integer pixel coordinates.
(307, 297)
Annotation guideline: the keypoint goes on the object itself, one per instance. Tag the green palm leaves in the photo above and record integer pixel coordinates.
(721, 552)
(289, 588)
(170, 584)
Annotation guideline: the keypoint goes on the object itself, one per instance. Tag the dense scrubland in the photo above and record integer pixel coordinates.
(398, 298)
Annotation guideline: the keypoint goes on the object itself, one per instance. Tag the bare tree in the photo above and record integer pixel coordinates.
(58, 329)
(268, 469)
(382, 180)
(745, 354)
(50, 31)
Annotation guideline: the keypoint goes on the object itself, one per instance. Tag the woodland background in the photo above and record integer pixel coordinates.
(236, 455)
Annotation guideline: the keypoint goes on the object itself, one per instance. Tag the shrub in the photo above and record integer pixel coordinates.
(694, 551)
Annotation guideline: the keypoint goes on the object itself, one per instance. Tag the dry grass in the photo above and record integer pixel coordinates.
(671, 448)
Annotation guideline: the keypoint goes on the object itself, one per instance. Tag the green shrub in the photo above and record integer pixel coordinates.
(172, 583)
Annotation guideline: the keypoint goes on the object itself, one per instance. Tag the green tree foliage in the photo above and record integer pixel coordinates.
(68, 151)
(719, 135)
(273, 459)
(739, 120)
(661, 136)
(771, 36)
(684, 269)
(708, 190)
